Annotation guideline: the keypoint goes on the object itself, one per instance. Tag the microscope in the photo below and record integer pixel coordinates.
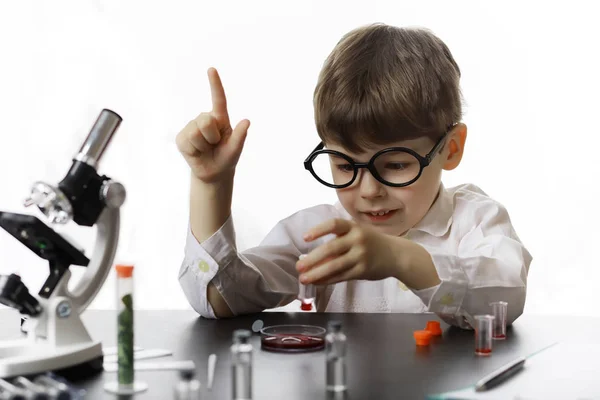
(57, 339)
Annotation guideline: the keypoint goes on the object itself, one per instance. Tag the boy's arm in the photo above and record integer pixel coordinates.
(212, 148)
(210, 206)
(217, 302)
(219, 281)
(491, 264)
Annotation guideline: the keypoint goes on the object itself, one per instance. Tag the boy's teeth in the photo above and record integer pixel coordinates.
(380, 213)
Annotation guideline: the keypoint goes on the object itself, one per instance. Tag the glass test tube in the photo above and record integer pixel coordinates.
(126, 373)
(483, 334)
(126, 383)
(306, 293)
(499, 311)
(335, 355)
(241, 365)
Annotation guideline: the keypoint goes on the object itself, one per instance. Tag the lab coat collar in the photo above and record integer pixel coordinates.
(438, 219)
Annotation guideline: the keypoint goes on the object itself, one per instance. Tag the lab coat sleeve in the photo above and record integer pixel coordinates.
(253, 280)
(491, 264)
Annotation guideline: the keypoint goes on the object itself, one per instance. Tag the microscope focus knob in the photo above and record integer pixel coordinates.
(113, 194)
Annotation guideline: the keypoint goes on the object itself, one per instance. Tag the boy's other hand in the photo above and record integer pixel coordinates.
(357, 252)
(208, 143)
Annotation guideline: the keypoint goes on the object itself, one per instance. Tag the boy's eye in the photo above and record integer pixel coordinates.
(345, 167)
(397, 166)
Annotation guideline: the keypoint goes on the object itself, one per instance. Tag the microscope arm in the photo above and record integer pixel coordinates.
(107, 238)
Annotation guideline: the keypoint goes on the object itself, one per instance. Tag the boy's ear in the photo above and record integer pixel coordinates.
(456, 146)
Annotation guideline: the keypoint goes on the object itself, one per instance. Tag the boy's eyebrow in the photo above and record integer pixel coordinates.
(422, 148)
(419, 148)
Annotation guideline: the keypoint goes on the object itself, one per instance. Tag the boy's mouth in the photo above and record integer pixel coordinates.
(380, 215)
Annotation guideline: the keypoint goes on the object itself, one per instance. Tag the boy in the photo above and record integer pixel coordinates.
(387, 110)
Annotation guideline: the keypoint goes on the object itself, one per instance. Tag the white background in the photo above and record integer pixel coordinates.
(530, 83)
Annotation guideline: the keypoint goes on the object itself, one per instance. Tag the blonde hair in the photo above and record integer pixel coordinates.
(382, 84)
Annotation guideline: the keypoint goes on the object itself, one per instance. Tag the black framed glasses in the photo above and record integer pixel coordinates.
(394, 166)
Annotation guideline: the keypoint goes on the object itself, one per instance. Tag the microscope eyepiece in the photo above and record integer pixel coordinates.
(99, 137)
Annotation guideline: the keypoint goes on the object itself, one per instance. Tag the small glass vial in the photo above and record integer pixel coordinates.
(306, 293)
(499, 311)
(483, 334)
(335, 355)
(241, 365)
(188, 387)
(126, 383)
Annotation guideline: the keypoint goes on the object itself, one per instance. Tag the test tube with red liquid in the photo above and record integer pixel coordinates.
(306, 293)
(483, 334)
(499, 310)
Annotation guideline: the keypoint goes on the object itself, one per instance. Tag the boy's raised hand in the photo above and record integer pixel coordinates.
(208, 143)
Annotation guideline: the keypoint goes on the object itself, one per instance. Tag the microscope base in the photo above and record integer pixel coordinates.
(21, 357)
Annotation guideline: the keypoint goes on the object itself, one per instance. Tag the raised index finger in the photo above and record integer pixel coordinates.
(217, 92)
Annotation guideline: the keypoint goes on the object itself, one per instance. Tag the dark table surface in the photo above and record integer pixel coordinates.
(383, 361)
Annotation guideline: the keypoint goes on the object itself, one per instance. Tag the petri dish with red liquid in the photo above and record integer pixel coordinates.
(292, 338)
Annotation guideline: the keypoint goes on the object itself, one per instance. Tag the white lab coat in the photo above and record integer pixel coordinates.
(477, 254)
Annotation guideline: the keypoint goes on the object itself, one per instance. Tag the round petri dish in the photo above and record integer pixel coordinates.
(292, 338)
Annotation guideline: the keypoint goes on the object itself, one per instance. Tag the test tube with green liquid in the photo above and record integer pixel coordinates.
(126, 383)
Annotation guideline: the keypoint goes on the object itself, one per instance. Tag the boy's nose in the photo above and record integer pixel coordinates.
(369, 186)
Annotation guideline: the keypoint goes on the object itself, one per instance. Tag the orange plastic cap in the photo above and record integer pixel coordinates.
(434, 328)
(422, 338)
(124, 270)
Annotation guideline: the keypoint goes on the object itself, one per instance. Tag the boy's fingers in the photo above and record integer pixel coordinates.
(336, 226)
(185, 143)
(324, 253)
(329, 270)
(343, 276)
(240, 132)
(219, 101)
(207, 127)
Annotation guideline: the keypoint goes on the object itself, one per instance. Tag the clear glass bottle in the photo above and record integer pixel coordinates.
(241, 365)
(188, 387)
(335, 354)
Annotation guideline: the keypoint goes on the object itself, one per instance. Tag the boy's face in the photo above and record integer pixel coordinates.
(406, 205)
